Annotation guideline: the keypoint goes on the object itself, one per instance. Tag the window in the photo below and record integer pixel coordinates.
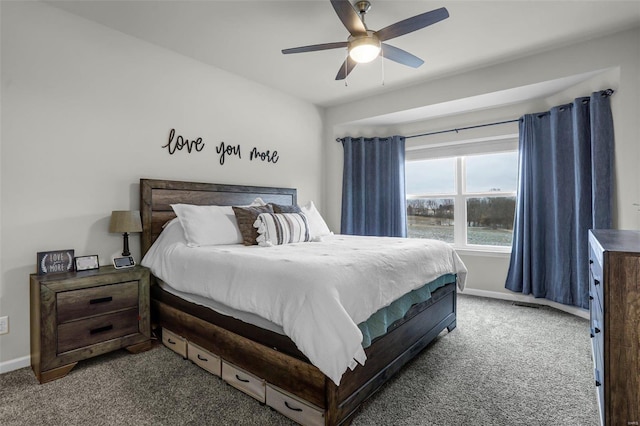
(468, 200)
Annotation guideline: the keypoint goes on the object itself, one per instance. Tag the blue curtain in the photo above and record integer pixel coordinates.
(373, 189)
(565, 189)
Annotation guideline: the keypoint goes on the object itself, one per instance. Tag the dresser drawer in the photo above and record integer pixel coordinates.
(293, 407)
(174, 342)
(596, 285)
(246, 382)
(75, 304)
(86, 332)
(204, 359)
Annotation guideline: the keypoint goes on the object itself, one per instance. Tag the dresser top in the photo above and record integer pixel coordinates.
(617, 240)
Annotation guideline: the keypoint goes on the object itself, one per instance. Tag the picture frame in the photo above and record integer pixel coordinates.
(56, 261)
(87, 263)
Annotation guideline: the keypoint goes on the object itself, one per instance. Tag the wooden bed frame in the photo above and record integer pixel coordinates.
(285, 369)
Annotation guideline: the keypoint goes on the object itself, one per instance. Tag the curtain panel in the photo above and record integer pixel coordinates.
(565, 189)
(373, 187)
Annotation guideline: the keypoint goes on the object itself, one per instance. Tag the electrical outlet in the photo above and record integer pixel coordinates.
(4, 325)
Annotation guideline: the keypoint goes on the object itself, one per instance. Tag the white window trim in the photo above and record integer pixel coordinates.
(459, 150)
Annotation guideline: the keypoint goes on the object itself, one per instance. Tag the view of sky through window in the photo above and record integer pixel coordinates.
(431, 176)
(485, 173)
(493, 172)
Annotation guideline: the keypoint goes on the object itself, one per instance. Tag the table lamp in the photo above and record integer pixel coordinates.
(125, 222)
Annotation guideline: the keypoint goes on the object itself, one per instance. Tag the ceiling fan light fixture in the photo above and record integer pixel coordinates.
(364, 49)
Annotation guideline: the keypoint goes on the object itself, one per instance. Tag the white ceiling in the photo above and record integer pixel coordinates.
(245, 37)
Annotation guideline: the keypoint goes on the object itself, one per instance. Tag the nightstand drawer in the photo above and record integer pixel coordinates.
(246, 382)
(77, 334)
(294, 408)
(93, 301)
(174, 342)
(204, 359)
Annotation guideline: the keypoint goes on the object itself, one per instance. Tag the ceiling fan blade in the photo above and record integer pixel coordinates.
(314, 47)
(349, 17)
(347, 66)
(400, 56)
(412, 24)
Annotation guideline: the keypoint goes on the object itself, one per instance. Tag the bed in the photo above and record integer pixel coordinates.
(268, 356)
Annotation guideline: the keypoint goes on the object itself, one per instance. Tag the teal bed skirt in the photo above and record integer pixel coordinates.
(379, 322)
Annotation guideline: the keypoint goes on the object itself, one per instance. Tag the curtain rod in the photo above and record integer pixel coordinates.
(462, 128)
(603, 93)
(454, 130)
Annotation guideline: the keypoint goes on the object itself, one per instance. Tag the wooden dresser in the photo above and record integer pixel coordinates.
(79, 315)
(614, 294)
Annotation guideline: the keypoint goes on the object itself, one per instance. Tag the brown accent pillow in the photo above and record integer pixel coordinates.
(246, 216)
(281, 208)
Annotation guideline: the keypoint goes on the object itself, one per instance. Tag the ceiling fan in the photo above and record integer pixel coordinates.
(364, 45)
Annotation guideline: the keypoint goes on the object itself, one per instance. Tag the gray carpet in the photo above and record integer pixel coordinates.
(502, 365)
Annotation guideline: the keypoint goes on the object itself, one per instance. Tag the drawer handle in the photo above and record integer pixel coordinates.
(201, 358)
(100, 300)
(169, 341)
(291, 408)
(101, 329)
(596, 282)
(242, 380)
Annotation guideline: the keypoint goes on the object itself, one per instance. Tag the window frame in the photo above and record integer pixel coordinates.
(495, 145)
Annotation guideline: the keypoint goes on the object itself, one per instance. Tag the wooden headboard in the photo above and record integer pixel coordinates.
(156, 197)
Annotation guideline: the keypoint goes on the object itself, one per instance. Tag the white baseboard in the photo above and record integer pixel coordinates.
(15, 364)
(527, 299)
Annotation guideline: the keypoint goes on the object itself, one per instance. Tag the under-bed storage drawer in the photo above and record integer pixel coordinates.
(174, 342)
(246, 382)
(293, 407)
(204, 359)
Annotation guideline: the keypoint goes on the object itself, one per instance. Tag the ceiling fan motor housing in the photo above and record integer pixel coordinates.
(362, 6)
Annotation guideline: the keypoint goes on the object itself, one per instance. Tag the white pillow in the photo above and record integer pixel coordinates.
(210, 225)
(281, 228)
(317, 226)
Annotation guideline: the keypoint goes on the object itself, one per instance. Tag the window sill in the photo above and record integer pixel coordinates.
(485, 252)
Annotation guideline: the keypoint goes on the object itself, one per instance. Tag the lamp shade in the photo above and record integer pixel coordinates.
(125, 221)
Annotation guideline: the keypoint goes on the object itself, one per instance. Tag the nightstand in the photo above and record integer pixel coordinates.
(79, 315)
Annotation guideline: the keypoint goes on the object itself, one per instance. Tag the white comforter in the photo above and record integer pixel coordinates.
(317, 291)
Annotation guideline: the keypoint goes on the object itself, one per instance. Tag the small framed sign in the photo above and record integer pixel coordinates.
(55, 261)
(85, 263)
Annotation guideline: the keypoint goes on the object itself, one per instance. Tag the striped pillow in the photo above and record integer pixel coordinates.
(281, 228)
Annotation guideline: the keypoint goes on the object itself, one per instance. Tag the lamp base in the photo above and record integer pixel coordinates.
(125, 248)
